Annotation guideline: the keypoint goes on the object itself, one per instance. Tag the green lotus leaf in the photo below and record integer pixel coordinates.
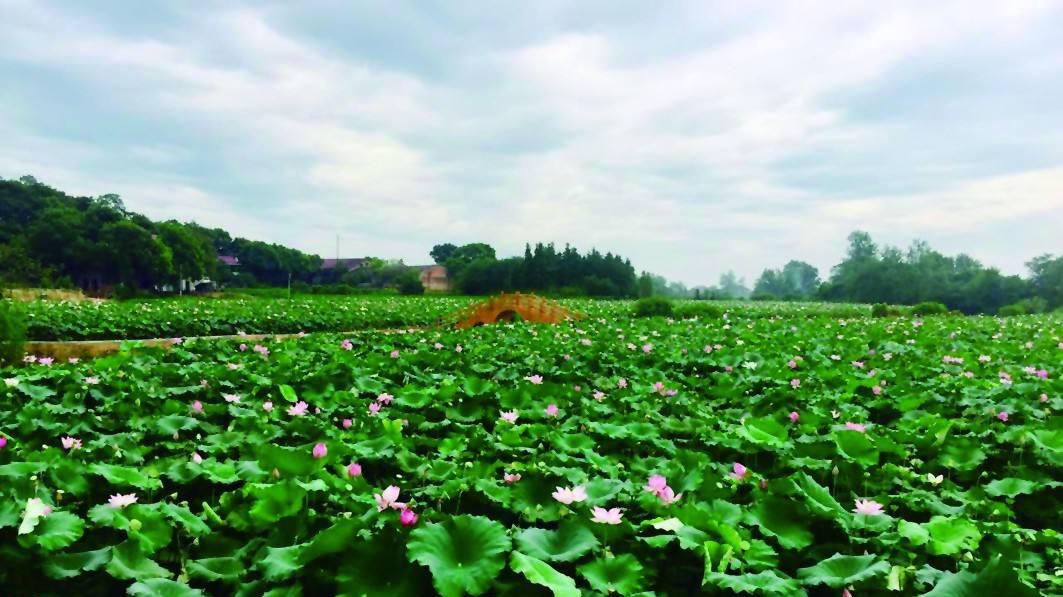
(839, 571)
(540, 573)
(621, 574)
(952, 535)
(161, 587)
(762, 583)
(566, 544)
(464, 553)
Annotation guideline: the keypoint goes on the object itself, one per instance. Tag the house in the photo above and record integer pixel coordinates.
(434, 278)
(348, 264)
(229, 260)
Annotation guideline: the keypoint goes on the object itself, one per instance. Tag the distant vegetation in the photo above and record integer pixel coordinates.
(50, 239)
(889, 276)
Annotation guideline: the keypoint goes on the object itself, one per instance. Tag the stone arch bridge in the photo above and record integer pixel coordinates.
(507, 307)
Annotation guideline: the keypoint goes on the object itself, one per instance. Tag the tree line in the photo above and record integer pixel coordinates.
(474, 268)
(51, 239)
(869, 273)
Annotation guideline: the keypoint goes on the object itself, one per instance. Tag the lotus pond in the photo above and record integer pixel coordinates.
(766, 455)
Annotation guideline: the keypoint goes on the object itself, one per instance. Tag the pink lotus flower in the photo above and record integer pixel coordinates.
(794, 416)
(320, 450)
(394, 354)
(846, 593)
(354, 470)
(231, 398)
(1003, 416)
(855, 427)
(71, 443)
(29, 359)
(177, 340)
(621, 383)
(656, 484)
(868, 507)
(267, 406)
(740, 472)
(511, 478)
(858, 364)
(46, 361)
(599, 395)
(298, 409)
(347, 423)
(603, 516)
(577, 388)
(1042, 373)
(242, 347)
(535, 379)
(876, 389)
(374, 408)
(122, 500)
(567, 495)
(509, 416)
(347, 345)
(551, 410)
(984, 358)
(73, 360)
(387, 499)
(458, 348)
(196, 458)
(647, 348)
(3, 442)
(707, 349)
(92, 380)
(668, 496)
(728, 368)
(262, 350)
(795, 383)
(407, 517)
(792, 364)
(385, 398)
(585, 341)
(1044, 398)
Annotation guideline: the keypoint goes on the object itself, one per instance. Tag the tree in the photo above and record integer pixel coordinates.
(645, 285)
(802, 277)
(440, 253)
(136, 257)
(1047, 279)
(193, 256)
(732, 286)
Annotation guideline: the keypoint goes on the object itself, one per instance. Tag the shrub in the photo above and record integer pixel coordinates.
(12, 331)
(409, 283)
(929, 308)
(653, 306)
(880, 310)
(1011, 310)
(701, 310)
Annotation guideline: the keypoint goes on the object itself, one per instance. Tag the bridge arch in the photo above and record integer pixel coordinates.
(506, 307)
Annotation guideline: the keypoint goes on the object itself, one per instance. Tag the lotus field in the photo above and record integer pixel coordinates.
(781, 454)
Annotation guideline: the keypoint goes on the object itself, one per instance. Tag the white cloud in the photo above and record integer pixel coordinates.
(673, 155)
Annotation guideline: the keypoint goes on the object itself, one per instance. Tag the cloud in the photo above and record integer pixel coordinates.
(691, 137)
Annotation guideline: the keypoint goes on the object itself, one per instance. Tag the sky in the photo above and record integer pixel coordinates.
(692, 137)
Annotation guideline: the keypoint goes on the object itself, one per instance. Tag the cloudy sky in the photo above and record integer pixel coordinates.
(693, 137)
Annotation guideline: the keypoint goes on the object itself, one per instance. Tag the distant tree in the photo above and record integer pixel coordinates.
(1047, 279)
(645, 285)
(440, 253)
(732, 286)
(135, 256)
